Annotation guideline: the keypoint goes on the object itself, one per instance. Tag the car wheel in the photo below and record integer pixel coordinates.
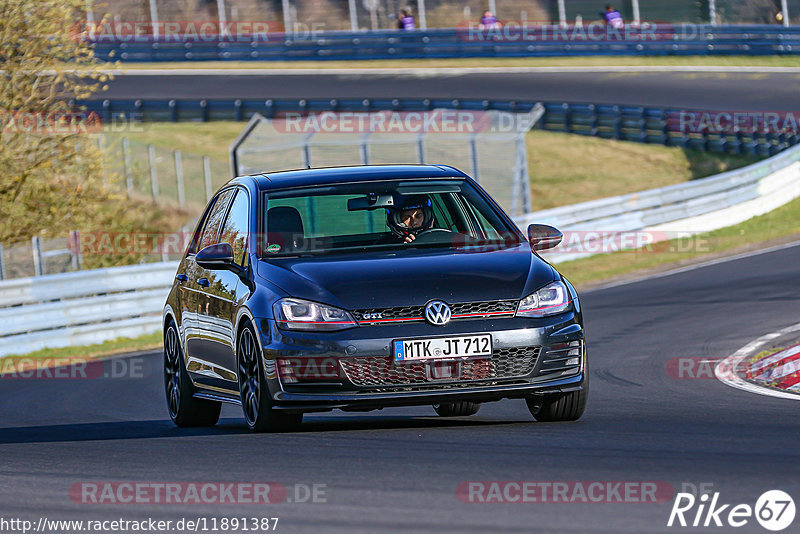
(256, 401)
(457, 409)
(184, 409)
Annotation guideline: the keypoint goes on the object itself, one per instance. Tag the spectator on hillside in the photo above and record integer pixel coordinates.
(613, 17)
(405, 21)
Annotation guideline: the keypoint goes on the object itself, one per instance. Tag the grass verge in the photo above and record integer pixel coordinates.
(65, 355)
(568, 168)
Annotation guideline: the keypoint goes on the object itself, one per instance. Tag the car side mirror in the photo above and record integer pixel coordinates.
(543, 236)
(219, 256)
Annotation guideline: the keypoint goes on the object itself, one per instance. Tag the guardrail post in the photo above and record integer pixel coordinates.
(617, 122)
(126, 165)
(173, 111)
(562, 13)
(38, 257)
(151, 156)
(203, 111)
(107, 111)
(351, 5)
(287, 17)
(2, 264)
(473, 156)
(75, 249)
(307, 150)
(207, 176)
(785, 12)
(179, 178)
(365, 149)
(642, 125)
(421, 148)
(637, 19)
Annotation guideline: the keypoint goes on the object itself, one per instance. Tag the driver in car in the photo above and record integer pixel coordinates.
(412, 216)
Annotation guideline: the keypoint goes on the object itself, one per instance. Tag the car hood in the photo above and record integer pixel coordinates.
(409, 277)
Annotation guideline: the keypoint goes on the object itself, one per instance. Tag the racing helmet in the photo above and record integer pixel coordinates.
(403, 203)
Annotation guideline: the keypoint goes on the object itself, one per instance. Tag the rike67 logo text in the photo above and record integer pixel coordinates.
(774, 510)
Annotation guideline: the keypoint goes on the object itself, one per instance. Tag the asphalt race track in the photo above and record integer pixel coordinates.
(398, 469)
(735, 90)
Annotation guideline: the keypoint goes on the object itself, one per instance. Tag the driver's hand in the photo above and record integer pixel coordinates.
(409, 238)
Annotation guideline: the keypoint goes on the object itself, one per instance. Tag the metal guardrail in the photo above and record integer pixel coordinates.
(688, 208)
(530, 41)
(627, 123)
(82, 308)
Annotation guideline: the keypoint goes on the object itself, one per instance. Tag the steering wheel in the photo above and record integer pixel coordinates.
(429, 235)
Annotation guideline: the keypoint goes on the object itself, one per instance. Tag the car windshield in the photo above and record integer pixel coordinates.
(374, 216)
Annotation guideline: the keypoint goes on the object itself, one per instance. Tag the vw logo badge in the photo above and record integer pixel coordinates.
(437, 313)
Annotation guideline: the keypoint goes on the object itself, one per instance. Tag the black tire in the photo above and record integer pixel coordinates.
(254, 392)
(457, 409)
(184, 409)
(558, 407)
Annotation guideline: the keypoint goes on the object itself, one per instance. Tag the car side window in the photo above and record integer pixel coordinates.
(210, 230)
(235, 229)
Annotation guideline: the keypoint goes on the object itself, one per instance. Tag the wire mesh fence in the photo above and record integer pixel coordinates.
(488, 145)
(167, 176)
(304, 16)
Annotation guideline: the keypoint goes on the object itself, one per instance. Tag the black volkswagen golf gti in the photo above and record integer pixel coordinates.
(360, 288)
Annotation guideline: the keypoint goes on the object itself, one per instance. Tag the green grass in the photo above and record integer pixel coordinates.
(780, 225)
(568, 168)
(87, 352)
(592, 61)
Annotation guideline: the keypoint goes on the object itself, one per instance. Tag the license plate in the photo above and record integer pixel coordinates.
(406, 350)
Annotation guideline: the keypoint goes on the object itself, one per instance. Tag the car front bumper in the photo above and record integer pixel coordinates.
(554, 341)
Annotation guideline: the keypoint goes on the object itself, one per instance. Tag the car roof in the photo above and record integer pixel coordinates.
(349, 174)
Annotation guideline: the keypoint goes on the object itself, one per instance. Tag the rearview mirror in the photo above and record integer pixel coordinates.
(543, 236)
(219, 256)
(371, 201)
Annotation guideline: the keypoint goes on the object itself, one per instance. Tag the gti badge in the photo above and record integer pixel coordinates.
(368, 316)
(437, 313)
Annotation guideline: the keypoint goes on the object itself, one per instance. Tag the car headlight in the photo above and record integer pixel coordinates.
(299, 314)
(552, 299)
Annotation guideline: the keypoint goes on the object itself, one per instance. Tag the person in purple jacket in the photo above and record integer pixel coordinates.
(405, 21)
(489, 22)
(613, 17)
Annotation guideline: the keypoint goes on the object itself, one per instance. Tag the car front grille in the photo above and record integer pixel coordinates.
(463, 310)
(383, 371)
